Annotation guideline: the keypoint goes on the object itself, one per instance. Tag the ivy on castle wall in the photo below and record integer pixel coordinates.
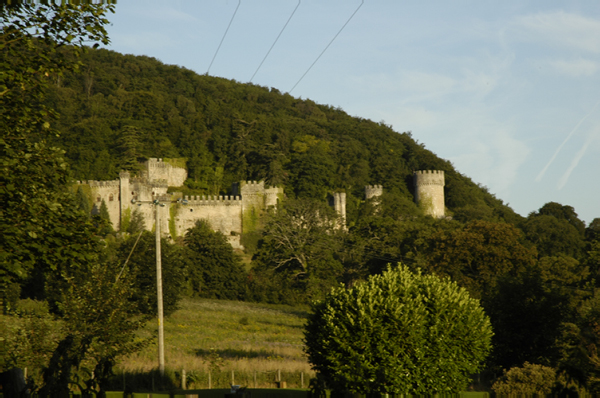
(176, 162)
(173, 209)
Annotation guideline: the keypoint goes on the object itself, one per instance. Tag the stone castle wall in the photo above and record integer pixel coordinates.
(107, 191)
(129, 194)
(223, 213)
(157, 169)
(429, 191)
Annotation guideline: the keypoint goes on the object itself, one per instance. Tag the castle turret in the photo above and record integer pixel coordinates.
(124, 196)
(429, 191)
(339, 204)
(373, 191)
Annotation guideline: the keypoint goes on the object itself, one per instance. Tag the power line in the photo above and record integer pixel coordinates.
(334, 37)
(273, 45)
(225, 34)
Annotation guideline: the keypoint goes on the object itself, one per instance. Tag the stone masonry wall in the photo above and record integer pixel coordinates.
(158, 170)
(429, 191)
(109, 192)
(223, 213)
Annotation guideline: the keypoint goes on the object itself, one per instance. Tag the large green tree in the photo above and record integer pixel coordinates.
(398, 332)
(476, 255)
(300, 242)
(556, 229)
(48, 245)
(41, 230)
(141, 253)
(214, 270)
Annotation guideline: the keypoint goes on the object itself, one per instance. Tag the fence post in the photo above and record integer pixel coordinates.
(209, 380)
(278, 374)
(301, 379)
(232, 377)
(255, 379)
(183, 380)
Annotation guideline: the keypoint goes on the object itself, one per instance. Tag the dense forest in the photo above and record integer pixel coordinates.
(124, 108)
(536, 276)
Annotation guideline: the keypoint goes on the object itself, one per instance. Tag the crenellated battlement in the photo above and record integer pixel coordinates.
(213, 200)
(156, 162)
(100, 184)
(372, 191)
(429, 177)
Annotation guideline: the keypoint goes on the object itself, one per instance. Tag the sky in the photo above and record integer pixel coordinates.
(509, 92)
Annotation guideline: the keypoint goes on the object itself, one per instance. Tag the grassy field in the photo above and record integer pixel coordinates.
(255, 341)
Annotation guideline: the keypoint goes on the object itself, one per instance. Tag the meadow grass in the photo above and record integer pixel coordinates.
(255, 341)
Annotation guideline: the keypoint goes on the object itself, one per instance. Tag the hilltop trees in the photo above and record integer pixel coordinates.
(398, 332)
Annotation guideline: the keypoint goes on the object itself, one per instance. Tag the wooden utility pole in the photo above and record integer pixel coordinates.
(161, 332)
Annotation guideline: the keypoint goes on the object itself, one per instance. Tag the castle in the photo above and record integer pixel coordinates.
(232, 215)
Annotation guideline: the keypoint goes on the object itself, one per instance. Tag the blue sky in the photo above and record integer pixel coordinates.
(509, 92)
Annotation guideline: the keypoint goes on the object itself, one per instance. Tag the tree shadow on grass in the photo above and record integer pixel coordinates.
(144, 381)
(230, 353)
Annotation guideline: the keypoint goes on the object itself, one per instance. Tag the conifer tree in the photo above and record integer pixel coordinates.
(82, 202)
(130, 148)
(106, 224)
(136, 224)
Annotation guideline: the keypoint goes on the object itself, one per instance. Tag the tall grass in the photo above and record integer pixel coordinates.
(255, 341)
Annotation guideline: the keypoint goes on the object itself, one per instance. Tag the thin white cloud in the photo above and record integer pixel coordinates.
(541, 174)
(559, 28)
(563, 180)
(575, 68)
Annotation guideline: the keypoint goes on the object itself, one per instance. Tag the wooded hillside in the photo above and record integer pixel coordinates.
(125, 108)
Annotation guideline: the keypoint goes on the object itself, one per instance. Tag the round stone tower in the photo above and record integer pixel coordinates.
(429, 191)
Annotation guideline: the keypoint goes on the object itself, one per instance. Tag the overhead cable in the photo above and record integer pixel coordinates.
(225, 34)
(334, 37)
(278, 36)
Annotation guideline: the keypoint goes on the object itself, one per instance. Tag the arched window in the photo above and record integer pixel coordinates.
(98, 199)
(111, 197)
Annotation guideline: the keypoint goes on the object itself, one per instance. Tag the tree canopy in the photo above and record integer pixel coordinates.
(398, 332)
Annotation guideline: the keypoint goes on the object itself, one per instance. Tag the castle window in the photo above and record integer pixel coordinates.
(133, 193)
(98, 199)
(111, 197)
(191, 210)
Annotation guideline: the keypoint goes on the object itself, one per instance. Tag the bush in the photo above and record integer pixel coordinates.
(399, 333)
(530, 379)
